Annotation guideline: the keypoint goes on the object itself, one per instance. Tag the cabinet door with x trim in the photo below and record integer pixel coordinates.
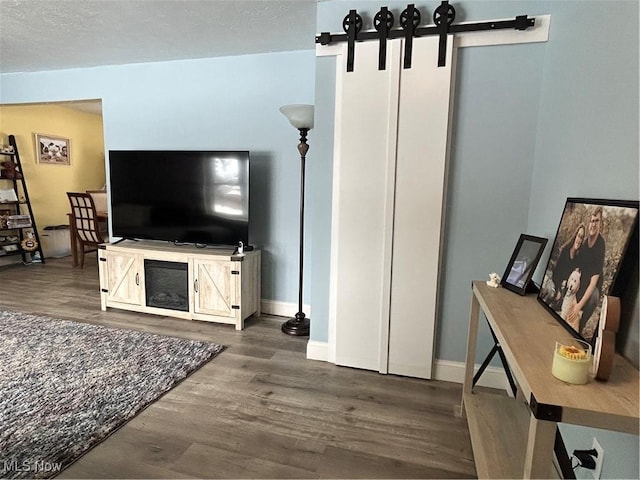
(216, 288)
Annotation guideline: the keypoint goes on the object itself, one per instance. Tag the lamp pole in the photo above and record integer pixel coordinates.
(300, 325)
(301, 117)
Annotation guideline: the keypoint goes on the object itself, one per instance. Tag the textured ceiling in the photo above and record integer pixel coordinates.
(38, 35)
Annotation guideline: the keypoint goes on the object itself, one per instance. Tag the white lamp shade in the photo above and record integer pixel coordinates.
(300, 116)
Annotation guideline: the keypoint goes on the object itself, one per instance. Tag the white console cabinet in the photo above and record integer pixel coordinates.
(180, 281)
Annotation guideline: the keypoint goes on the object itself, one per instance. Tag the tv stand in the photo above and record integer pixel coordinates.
(208, 284)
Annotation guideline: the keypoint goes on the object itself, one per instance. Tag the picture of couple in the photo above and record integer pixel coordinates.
(587, 255)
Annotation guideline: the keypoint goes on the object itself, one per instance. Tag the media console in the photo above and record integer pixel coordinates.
(514, 437)
(183, 281)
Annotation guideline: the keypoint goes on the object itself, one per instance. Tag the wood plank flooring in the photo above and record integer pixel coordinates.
(260, 409)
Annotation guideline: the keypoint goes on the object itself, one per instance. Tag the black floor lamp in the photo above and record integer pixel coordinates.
(301, 117)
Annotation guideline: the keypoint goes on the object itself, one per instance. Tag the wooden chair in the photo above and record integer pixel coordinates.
(85, 224)
(99, 199)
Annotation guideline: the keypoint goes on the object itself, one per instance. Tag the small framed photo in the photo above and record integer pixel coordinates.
(523, 263)
(593, 255)
(52, 150)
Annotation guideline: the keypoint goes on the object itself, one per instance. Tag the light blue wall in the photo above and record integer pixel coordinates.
(492, 155)
(319, 192)
(218, 103)
(620, 458)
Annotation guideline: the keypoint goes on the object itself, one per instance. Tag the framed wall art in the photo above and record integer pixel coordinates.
(52, 150)
(594, 249)
(523, 263)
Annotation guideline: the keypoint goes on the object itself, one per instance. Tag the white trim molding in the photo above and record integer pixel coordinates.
(492, 377)
(538, 33)
(318, 350)
(282, 309)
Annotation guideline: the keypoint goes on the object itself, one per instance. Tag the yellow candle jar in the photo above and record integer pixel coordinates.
(571, 363)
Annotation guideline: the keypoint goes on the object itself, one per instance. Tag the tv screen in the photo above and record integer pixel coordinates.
(199, 197)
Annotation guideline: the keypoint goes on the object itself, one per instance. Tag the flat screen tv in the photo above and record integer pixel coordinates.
(199, 197)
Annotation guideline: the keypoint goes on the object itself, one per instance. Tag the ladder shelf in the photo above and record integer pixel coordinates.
(18, 230)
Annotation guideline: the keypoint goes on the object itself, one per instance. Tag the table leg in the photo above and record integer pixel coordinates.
(472, 340)
(538, 460)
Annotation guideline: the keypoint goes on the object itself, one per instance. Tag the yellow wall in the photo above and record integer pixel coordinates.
(47, 184)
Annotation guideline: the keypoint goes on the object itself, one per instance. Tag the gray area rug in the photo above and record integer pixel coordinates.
(65, 386)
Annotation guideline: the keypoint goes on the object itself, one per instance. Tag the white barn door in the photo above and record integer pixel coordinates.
(391, 138)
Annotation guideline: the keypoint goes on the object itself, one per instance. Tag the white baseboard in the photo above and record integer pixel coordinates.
(445, 370)
(448, 371)
(317, 351)
(282, 309)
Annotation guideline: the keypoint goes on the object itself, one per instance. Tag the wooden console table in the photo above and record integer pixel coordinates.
(514, 438)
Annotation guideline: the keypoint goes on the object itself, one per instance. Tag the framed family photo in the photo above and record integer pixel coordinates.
(52, 150)
(523, 263)
(595, 244)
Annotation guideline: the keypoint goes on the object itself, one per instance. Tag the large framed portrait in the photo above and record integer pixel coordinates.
(593, 253)
(52, 150)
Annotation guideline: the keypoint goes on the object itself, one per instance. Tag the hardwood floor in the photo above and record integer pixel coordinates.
(260, 409)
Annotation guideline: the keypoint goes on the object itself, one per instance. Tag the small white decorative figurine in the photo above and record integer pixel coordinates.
(494, 280)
